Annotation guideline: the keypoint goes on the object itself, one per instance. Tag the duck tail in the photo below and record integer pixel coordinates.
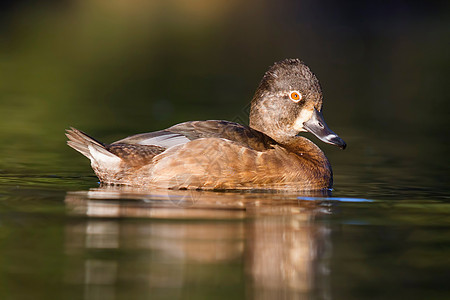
(87, 145)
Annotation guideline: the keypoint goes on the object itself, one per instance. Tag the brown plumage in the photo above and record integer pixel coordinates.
(226, 155)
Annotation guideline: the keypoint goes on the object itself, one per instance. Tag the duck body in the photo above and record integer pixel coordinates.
(223, 155)
(207, 155)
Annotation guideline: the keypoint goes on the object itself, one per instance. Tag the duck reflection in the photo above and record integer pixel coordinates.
(265, 245)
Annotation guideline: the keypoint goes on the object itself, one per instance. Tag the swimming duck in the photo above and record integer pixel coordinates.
(222, 155)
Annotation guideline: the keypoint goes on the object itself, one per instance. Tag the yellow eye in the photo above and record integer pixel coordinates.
(295, 96)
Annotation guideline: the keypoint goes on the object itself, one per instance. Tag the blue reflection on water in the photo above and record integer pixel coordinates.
(337, 199)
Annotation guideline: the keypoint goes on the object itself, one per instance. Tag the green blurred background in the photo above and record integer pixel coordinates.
(114, 68)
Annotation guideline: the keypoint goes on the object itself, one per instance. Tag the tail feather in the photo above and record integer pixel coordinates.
(86, 144)
(105, 164)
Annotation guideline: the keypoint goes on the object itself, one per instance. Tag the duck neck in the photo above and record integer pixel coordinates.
(262, 118)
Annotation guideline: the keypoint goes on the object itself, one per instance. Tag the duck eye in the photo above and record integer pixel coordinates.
(295, 96)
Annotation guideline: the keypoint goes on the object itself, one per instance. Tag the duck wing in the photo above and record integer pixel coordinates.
(188, 131)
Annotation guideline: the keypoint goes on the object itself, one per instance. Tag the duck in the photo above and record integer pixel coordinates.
(267, 154)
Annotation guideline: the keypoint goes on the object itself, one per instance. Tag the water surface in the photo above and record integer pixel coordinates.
(114, 243)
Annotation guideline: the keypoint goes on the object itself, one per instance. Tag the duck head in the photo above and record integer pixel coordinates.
(288, 101)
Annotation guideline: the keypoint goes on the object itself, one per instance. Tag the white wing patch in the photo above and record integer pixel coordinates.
(166, 140)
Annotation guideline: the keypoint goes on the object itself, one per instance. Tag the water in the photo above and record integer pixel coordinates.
(60, 242)
(113, 69)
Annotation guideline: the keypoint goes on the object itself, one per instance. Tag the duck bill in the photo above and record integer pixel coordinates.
(317, 126)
